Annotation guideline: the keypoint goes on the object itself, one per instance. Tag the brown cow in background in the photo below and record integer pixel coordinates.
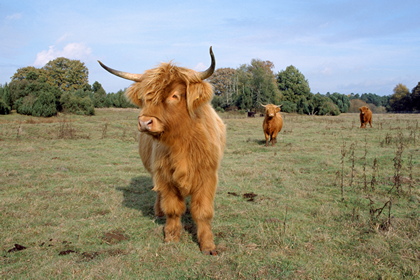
(365, 116)
(181, 144)
(273, 123)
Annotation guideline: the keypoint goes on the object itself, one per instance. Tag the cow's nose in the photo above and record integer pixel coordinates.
(145, 124)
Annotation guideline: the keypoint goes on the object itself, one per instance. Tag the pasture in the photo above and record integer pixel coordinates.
(329, 201)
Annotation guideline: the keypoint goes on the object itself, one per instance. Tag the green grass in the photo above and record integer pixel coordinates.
(75, 194)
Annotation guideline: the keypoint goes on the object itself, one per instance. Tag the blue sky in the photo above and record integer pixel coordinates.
(340, 46)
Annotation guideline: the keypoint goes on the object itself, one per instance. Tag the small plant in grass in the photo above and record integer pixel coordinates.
(398, 164)
(376, 221)
(104, 130)
(19, 131)
(375, 168)
(352, 158)
(387, 140)
(364, 159)
(285, 222)
(410, 174)
(343, 155)
(66, 130)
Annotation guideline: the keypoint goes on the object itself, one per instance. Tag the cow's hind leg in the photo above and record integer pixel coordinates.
(173, 205)
(202, 211)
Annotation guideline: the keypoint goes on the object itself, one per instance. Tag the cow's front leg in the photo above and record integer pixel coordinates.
(202, 211)
(267, 138)
(173, 206)
(157, 207)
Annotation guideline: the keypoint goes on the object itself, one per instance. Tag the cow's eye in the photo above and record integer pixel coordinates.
(174, 97)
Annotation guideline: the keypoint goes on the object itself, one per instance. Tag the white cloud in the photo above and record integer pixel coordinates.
(14, 16)
(72, 51)
(200, 67)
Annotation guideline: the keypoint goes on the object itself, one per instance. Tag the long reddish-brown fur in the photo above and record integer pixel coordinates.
(181, 144)
(272, 124)
(365, 116)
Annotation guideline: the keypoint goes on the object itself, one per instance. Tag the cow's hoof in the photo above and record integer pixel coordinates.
(210, 252)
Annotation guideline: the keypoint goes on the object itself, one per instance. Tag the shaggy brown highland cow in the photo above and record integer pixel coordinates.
(181, 144)
(272, 124)
(365, 116)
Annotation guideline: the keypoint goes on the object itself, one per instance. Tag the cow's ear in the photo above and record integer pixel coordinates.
(197, 95)
(133, 96)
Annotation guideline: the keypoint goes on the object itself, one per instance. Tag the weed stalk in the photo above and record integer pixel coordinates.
(343, 155)
(374, 174)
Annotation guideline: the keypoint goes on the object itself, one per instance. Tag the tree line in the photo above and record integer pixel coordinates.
(248, 86)
(62, 86)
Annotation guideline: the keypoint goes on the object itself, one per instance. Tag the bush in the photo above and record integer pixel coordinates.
(288, 107)
(75, 104)
(329, 108)
(24, 104)
(44, 105)
(5, 104)
(4, 108)
(119, 100)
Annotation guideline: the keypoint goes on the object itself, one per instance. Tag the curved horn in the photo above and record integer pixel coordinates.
(125, 75)
(207, 73)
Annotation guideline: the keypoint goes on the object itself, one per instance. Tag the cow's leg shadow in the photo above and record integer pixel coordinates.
(138, 195)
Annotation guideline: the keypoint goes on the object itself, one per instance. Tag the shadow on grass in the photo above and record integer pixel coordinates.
(138, 195)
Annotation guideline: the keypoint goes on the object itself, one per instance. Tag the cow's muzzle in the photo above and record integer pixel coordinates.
(150, 125)
(145, 124)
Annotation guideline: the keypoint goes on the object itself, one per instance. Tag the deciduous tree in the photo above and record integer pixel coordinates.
(67, 74)
(400, 100)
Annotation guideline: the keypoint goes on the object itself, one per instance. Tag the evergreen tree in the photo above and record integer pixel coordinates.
(99, 97)
(415, 98)
(341, 100)
(5, 100)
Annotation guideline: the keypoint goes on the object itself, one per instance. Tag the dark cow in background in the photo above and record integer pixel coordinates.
(365, 116)
(272, 124)
(251, 114)
(181, 144)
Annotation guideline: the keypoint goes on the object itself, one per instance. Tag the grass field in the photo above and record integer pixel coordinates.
(330, 201)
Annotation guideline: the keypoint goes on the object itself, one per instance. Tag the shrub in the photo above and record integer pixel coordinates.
(24, 104)
(288, 107)
(75, 104)
(4, 108)
(41, 105)
(44, 105)
(329, 108)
